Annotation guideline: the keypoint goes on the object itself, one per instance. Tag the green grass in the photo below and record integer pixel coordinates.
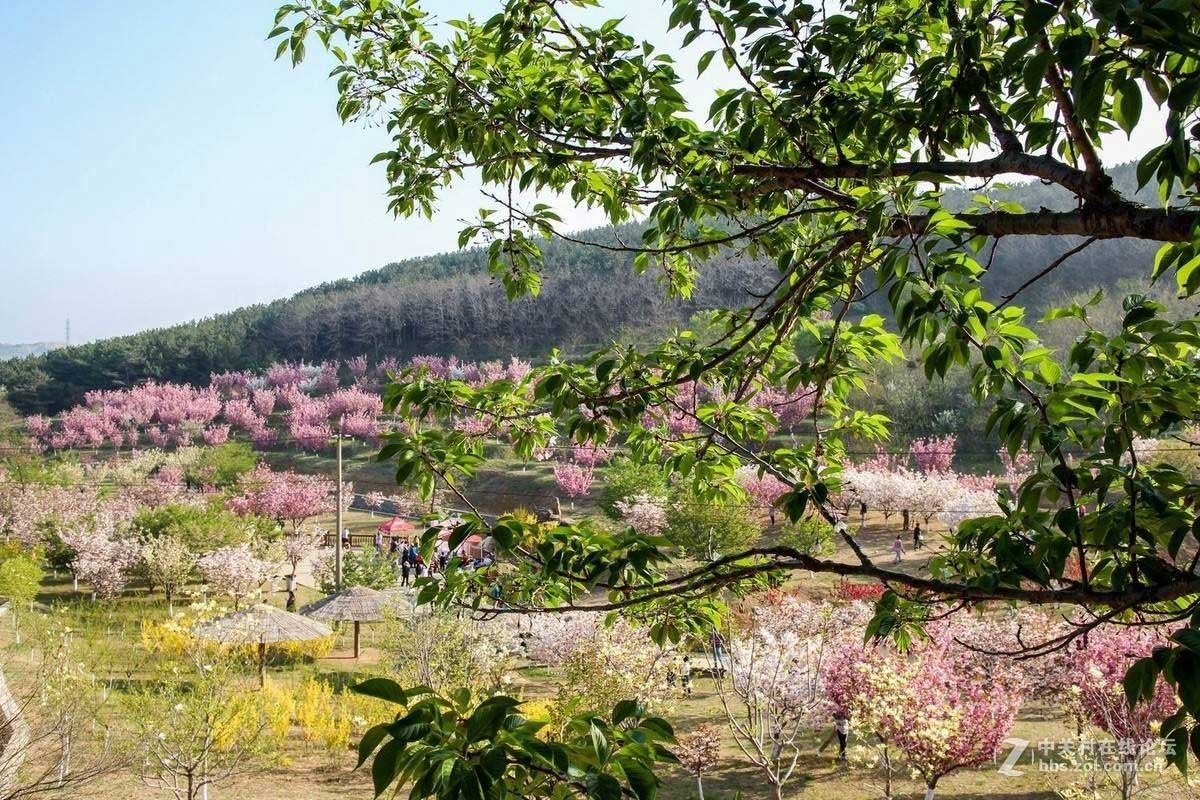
(112, 630)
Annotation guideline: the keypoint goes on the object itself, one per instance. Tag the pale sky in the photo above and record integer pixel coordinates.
(157, 165)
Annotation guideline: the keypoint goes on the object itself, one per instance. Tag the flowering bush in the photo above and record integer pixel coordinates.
(573, 480)
(287, 497)
(103, 557)
(436, 650)
(852, 591)
(939, 705)
(235, 571)
(1097, 666)
(645, 514)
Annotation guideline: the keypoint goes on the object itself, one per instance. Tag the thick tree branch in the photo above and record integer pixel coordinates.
(1124, 222)
(705, 579)
(781, 177)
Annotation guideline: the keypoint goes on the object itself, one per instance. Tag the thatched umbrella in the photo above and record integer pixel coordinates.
(261, 624)
(358, 604)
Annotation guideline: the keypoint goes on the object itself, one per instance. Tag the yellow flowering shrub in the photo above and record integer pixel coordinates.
(279, 704)
(172, 637)
(249, 714)
(323, 719)
(548, 711)
(301, 651)
(365, 711)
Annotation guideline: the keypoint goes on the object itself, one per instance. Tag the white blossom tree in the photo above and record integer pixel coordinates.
(235, 571)
(169, 562)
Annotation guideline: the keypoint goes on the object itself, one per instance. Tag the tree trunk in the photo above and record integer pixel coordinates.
(14, 738)
(929, 789)
(262, 664)
(356, 627)
(291, 591)
(700, 786)
(887, 773)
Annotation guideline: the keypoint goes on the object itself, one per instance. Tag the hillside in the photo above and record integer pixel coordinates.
(448, 303)
(23, 349)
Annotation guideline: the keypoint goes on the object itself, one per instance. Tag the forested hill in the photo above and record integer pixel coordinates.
(448, 303)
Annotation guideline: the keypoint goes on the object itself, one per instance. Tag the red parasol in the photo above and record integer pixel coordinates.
(396, 525)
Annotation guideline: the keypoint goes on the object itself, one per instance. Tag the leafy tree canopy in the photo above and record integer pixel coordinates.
(828, 156)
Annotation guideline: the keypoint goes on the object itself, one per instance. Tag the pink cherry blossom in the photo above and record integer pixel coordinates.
(590, 455)
(286, 497)
(934, 455)
(216, 434)
(573, 480)
(766, 489)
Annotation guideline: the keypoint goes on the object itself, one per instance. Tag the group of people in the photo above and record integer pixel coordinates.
(407, 557)
(411, 564)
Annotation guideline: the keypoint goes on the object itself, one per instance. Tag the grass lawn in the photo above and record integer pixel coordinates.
(113, 630)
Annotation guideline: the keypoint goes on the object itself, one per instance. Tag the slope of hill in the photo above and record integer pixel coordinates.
(24, 349)
(448, 303)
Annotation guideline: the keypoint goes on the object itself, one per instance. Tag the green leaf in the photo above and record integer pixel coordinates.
(1128, 106)
(386, 765)
(1139, 681)
(641, 780)
(383, 689)
(623, 711)
(488, 718)
(369, 742)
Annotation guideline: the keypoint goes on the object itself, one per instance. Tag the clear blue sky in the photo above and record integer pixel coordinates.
(157, 165)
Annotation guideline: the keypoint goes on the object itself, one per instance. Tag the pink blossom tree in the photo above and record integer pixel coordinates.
(263, 401)
(590, 455)
(766, 489)
(1016, 468)
(773, 691)
(103, 558)
(934, 455)
(573, 480)
(1097, 666)
(287, 497)
(939, 706)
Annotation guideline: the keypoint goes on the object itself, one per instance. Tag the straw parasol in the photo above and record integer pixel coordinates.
(261, 624)
(357, 604)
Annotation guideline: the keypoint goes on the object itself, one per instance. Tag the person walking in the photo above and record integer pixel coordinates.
(841, 726)
(917, 536)
(897, 550)
(718, 650)
(685, 675)
(404, 568)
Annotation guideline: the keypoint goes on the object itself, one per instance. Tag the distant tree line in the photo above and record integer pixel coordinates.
(449, 304)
